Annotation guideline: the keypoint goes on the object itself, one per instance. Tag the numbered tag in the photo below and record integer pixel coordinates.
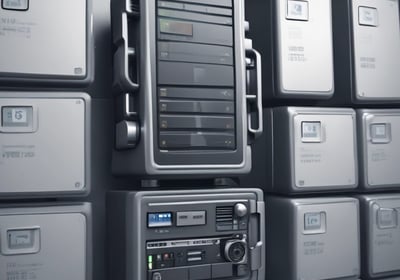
(17, 116)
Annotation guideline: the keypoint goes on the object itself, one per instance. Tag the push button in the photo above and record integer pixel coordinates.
(368, 16)
(387, 218)
(314, 223)
(311, 132)
(17, 5)
(380, 133)
(297, 10)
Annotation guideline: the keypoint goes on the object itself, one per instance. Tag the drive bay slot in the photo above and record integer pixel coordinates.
(212, 107)
(196, 93)
(196, 32)
(223, 3)
(178, 73)
(185, 15)
(195, 8)
(196, 122)
(188, 140)
(188, 52)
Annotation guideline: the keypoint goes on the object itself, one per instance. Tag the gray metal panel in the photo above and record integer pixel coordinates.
(304, 64)
(311, 256)
(380, 161)
(136, 204)
(376, 50)
(313, 165)
(52, 222)
(381, 244)
(36, 44)
(54, 158)
(339, 245)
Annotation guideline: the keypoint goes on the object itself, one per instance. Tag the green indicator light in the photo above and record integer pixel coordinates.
(150, 259)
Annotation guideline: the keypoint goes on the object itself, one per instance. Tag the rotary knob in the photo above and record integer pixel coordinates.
(240, 210)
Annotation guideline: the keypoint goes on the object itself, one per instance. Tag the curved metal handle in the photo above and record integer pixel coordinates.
(257, 98)
(122, 59)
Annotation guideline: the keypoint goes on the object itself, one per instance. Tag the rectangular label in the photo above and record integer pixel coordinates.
(297, 10)
(19, 5)
(311, 132)
(368, 16)
(22, 241)
(18, 239)
(314, 223)
(17, 116)
(192, 218)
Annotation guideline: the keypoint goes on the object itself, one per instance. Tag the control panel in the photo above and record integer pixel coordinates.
(229, 251)
(188, 235)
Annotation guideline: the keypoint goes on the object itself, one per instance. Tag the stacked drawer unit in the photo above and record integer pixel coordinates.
(47, 61)
(188, 81)
(196, 76)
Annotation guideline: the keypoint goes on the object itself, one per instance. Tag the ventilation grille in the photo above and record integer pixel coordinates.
(224, 215)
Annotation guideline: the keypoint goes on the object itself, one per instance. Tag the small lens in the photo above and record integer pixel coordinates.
(237, 252)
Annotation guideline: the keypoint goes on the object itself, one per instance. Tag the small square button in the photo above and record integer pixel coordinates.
(314, 223)
(368, 16)
(16, 5)
(380, 133)
(297, 10)
(311, 132)
(387, 218)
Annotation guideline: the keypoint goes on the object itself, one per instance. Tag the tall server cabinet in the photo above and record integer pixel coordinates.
(181, 74)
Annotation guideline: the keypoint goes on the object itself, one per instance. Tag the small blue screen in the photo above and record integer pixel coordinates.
(159, 219)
